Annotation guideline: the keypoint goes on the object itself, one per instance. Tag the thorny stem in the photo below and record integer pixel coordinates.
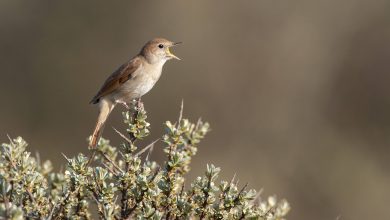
(78, 208)
(124, 199)
(169, 168)
(239, 194)
(237, 198)
(169, 180)
(95, 197)
(109, 169)
(138, 200)
(125, 212)
(11, 191)
(112, 162)
(124, 208)
(91, 157)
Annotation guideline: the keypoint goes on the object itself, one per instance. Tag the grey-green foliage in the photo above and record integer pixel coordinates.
(121, 185)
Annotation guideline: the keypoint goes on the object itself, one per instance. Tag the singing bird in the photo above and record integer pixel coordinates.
(131, 81)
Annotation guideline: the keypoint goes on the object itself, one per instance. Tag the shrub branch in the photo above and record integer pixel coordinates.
(126, 185)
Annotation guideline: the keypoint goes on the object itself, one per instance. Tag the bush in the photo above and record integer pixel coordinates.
(116, 183)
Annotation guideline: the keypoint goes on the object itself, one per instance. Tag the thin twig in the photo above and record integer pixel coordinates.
(91, 157)
(257, 196)
(66, 158)
(198, 124)
(13, 145)
(38, 159)
(241, 191)
(234, 177)
(149, 152)
(6, 202)
(31, 196)
(109, 169)
(11, 191)
(112, 162)
(96, 181)
(52, 211)
(146, 148)
(10, 140)
(122, 135)
(238, 180)
(78, 207)
(181, 111)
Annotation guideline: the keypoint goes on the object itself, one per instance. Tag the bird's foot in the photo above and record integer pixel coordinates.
(124, 104)
(139, 104)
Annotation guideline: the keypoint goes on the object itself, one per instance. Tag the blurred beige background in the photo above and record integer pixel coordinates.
(297, 92)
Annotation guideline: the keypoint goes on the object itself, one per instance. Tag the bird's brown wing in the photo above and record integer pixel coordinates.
(117, 78)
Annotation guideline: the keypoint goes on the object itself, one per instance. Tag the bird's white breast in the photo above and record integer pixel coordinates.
(142, 83)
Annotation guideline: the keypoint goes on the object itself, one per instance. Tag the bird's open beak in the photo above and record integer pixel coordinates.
(170, 54)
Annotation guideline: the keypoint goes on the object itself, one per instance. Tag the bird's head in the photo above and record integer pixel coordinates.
(157, 50)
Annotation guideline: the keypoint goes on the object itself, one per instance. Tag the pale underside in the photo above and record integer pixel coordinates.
(144, 80)
(130, 81)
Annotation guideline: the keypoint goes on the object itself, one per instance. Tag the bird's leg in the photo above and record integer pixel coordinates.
(124, 104)
(140, 104)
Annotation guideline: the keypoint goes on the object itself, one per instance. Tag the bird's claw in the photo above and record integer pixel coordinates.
(125, 105)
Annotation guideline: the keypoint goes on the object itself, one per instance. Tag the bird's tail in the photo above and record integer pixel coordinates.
(105, 109)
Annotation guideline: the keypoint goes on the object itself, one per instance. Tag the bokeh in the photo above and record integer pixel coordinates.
(297, 91)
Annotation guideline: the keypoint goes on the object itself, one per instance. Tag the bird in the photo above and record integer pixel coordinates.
(131, 81)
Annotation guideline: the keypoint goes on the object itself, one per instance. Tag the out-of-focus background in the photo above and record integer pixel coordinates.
(297, 92)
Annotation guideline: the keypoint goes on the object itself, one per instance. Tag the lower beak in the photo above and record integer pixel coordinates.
(171, 55)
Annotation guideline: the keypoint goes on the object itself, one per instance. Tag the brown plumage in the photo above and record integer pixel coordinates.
(117, 78)
(131, 81)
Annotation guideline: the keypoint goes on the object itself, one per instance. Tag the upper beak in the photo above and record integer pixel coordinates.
(171, 54)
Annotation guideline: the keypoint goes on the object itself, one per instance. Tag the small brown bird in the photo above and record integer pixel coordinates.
(131, 81)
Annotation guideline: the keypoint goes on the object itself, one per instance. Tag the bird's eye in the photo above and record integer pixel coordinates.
(161, 46)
